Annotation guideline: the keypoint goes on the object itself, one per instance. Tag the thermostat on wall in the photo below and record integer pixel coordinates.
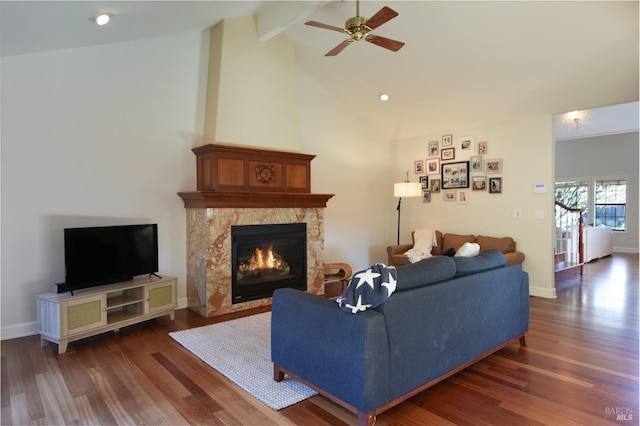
(539, 188)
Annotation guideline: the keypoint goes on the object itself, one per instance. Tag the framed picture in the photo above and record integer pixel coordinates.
(493, 166)
(449, 195)
(466, 143)
(424, 181)
(418, 166)
(432, 165)
(426, 197)
(476, 163)
(447, 140)
(433, 148)
(447, 154)
(455, 175)
(478, 183)
(483, 148)
(434, 185)
(463, 197)
(495, 185)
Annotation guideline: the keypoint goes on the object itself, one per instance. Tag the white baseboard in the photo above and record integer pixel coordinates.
(182, 303)
(31, 328)
(625, 250)
(547, 293)
(20, 330)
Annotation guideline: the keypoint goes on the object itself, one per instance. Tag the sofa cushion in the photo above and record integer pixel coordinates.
(468, 250)
(486, 260)
(505, 244)
(427, 271)
(456, 241)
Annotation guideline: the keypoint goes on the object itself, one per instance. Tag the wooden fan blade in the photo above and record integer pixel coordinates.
(385, 14)
(325, 26)
(387, 43)
(339, 48)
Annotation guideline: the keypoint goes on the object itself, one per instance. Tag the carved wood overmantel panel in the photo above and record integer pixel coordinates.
(242, 169)
(230, 176)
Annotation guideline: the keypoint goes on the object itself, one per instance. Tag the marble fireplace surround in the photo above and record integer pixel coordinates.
(211, 213)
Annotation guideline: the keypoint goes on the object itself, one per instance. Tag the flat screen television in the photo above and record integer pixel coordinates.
(109, 254)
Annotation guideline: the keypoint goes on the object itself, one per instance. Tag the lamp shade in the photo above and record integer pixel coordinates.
(407, 189)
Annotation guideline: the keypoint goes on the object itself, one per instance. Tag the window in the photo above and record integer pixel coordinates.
(611, 203)
(574, 194)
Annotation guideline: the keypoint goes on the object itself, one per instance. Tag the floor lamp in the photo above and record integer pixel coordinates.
(405, 189)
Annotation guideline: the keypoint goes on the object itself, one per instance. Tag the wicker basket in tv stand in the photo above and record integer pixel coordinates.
(63, 318)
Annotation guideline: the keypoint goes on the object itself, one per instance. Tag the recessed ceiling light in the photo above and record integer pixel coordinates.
(102, 19)
(384, 97)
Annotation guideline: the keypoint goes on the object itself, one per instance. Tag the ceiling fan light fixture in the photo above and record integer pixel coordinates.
(102, 19)
(358, 28)
(355, 28)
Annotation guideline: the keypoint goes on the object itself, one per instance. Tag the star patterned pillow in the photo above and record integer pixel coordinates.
(369, 288)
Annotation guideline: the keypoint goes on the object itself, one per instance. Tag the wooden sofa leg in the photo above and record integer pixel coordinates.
(278, 375)
(366, 419)
(523, 339)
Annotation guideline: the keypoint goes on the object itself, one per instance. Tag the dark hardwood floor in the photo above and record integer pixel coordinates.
(580, 368)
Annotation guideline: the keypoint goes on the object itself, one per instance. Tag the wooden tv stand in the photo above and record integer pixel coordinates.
(63, 318)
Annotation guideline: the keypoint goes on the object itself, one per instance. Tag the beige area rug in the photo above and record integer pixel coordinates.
(241, 350)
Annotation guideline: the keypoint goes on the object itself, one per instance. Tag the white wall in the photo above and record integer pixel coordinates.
(251, 95)
(103, 135)
(607, 120)
(94, 136)
(526, 147)
(605, 157)
(353, 163)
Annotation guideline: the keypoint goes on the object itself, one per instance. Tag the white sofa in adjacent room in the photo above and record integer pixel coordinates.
(598, 242)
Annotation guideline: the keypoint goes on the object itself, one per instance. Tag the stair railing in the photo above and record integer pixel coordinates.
(569, 233)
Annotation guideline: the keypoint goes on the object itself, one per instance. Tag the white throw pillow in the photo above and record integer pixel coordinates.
(468, 250)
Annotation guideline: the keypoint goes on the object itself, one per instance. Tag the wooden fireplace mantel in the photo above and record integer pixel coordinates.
(215, 199)
(230, 176)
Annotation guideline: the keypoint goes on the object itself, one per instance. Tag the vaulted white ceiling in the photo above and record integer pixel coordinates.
(464, 63)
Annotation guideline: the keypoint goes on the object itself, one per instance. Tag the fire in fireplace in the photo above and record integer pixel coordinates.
(267, 257)
(262, 261)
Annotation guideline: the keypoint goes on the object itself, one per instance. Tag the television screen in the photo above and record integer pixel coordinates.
(109, 254)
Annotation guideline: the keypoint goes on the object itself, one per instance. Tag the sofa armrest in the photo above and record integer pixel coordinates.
(398, 249)
(342, 354)
(396, 256)
(515, 257)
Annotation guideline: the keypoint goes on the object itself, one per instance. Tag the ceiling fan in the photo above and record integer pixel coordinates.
(358, 28)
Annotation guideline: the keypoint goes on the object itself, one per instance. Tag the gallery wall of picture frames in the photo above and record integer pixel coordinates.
(457, 169)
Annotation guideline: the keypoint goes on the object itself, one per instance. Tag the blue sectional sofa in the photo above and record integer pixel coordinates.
(446, 314)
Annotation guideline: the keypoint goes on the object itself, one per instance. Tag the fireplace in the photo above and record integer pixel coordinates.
(267, 257)
(241, 190)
